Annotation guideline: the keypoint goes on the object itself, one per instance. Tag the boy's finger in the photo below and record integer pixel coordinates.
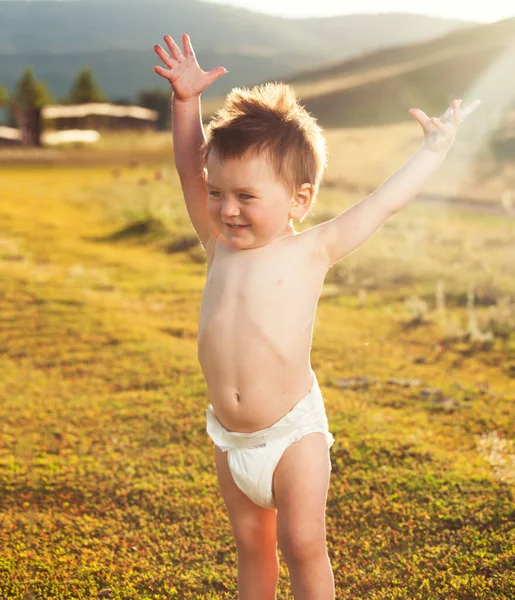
(216, 73)
(161, 71)
(174, 49)
(186, 42)
(163, 56)
(421, 117)
(446, 115)
(457, 116)
(471, 108)
(446, 128)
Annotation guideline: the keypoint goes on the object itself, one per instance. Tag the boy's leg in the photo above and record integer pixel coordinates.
(300, 485)
(255, 532)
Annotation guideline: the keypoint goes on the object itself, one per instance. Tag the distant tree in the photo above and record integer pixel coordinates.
(159, 100)
(26, 103)
(29, 93)
(85, 89)
(121, 101)
(4, 94)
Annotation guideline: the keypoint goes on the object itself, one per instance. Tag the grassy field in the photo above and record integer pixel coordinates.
(108, 487)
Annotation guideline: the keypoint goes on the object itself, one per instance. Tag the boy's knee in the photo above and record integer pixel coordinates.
(252, 538)
(302, 545)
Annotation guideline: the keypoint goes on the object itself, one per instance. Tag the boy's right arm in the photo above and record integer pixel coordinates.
(188, 81)
(188, 136)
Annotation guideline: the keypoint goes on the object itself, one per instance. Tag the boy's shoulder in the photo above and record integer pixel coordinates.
(306, 241)
(311, 239)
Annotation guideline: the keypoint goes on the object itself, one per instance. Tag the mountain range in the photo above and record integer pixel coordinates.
(116, 38)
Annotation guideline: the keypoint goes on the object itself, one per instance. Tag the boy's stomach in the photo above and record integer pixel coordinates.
(256, 389)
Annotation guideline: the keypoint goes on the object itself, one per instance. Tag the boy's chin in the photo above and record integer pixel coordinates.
(243, 240)
(237, 234)
(239, 241)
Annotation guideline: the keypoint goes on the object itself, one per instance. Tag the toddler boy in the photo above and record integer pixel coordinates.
(258, 169)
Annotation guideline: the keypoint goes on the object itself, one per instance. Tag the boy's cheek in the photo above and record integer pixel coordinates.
(213, 213)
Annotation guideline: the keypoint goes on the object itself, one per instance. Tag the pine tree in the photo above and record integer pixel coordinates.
(4, 94)
(85, 89)
(30, 94)
(26, 103)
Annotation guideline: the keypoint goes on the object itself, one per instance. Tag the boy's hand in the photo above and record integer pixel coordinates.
(187, 79)
(439, 133)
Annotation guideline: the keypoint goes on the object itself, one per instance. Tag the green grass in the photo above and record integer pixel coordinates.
(107, 480)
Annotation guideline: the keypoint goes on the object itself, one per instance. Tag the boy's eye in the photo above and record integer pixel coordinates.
(213, 193)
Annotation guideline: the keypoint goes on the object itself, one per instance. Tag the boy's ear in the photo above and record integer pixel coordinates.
(302, 200)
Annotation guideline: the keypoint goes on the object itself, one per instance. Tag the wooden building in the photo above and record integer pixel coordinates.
(98, 116)
(10, 136)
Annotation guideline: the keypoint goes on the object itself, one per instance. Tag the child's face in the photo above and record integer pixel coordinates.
(246, 191)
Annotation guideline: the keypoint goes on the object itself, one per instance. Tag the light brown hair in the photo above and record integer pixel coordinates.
(269, 118)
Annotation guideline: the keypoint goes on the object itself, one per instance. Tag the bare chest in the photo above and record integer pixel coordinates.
(265, 290)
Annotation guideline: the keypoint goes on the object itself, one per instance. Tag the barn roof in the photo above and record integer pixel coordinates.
(9, 133)
(57, 111)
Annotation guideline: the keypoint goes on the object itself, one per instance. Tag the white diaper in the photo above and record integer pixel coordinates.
(253, 457)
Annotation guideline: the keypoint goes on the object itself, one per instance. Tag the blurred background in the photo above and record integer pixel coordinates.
(107, 481)
(353, 65)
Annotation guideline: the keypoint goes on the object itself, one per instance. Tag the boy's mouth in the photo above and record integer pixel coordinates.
(237, 226)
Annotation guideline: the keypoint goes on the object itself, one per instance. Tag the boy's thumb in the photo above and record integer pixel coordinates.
(216, 73)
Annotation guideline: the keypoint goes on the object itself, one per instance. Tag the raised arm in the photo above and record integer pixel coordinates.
(188, 136)
(188, 81)
(349, 230)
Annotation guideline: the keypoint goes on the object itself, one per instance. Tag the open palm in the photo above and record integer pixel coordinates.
(440, 132)
(187, 79)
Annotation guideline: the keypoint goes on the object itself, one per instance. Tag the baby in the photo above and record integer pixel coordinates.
(259, 169)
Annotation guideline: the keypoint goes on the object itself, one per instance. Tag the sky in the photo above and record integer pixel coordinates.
(485, 11)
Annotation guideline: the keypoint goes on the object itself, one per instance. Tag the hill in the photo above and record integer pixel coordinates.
(116, 39)
(380, 87)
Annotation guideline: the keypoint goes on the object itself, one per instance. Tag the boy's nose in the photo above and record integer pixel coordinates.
(230, 209)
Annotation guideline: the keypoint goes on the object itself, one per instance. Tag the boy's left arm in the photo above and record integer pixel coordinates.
(346, 232)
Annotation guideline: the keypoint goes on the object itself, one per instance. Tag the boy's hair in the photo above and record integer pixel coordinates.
(268, 117)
